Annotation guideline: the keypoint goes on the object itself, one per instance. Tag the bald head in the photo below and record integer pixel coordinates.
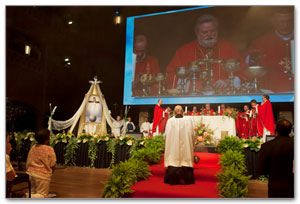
(178, 110)
(283, 127)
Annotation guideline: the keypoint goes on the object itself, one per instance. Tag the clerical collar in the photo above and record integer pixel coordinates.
(178, 116)
(142, 58)
(284, 37)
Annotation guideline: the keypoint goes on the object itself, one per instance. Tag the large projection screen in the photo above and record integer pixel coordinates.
(239, 67)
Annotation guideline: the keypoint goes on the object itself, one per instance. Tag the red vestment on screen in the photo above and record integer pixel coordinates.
(158, 119)
(242, 125)
(208, 112)
(266, 117)
(149, 65)
(193, 51)
(277, 59)
(192, 113)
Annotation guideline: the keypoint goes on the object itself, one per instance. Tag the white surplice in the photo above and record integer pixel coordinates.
(180, 138)
(146, 126)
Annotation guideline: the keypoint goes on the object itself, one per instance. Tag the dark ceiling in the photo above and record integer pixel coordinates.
(93, 42)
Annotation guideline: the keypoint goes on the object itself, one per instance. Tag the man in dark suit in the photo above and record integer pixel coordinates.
(276, 160)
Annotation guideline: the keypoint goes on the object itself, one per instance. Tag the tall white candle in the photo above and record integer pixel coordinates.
(250, 114)
(186, 109)
(163, 114)
(219, 109)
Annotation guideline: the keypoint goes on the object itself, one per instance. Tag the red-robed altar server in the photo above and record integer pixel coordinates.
(273, 51)
(208, 110)
(206, 44)
(159, 118)
(254, 119)
(145, 64)
(194, 112)
(243, 121)
(266, 117)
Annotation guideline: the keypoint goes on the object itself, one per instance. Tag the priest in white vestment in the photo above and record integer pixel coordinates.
(118, 125)
(145, 127)
(179, 149)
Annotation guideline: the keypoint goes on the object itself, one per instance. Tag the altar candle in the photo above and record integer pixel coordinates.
(250, 114)
(163, 114)
(219, 110)
(186, 109)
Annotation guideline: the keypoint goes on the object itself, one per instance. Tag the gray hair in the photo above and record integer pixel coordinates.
(206, 18)
(178, 109)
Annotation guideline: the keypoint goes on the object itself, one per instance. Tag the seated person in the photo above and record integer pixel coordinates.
(195, 111)
(207, 45)
(222, 109)
(179, 159)
(208, 110)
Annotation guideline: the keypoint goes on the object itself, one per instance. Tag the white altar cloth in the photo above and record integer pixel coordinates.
(217, 124)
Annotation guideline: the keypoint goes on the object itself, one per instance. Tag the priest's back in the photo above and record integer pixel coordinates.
(179, 137)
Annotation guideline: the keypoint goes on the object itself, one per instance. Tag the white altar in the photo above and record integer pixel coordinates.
(217, 124)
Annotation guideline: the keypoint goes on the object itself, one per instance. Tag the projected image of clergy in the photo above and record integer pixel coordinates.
(204, 54)
(93, 110)
(146, 68)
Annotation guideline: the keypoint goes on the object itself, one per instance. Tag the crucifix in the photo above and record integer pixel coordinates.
(207, 73)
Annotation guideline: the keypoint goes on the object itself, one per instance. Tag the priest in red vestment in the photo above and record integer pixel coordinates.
(266, 117)
(194, 112)
(273, 51)
(208, 110)
(145, 64)
(159, 118)
(222, 109)
(254, 120)
(206, 44)
(243, 123)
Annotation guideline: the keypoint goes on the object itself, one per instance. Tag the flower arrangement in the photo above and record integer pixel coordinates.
(231, 112)
(62, 137)
(254, 143)
(204, 134)
(129, 140)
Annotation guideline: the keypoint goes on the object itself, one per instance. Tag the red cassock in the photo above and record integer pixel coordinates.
(277, 59)
(192, 113)
(266, 118)
(141, 68)
(208, 112)
(222, 111)
(193, 51)
(158, 119)
(242, 125)
(253, 124)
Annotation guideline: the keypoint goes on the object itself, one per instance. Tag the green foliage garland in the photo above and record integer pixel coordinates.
(111, 147)
(92, 152)
(70, 152)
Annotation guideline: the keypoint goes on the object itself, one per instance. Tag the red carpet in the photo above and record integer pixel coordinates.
(205, 181)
